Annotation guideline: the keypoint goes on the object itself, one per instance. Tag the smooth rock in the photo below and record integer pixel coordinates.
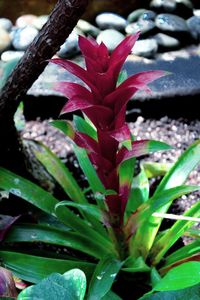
(70, 47)
(163, 5)
(110, 20)
(146, 48)
(40, 21)
(6, 24)
(148, 15)
(5, 40)
(179, 7)
(166, 41)
(172, 23)
(111, 38)
(25, 20)
(144, 26)
(194, 27)
(196, 12)
(87, 28)
(23, 37)
(10, 55)
(134, 15)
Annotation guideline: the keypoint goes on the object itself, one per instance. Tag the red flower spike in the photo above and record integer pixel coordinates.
(104, 103)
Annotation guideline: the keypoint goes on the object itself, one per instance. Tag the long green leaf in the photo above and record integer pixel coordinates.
(63, 176)
(35, 268)
(88, 169)
(91, 209)
(45, 234)
(103, 277)
(143, 219)
(173, 234)
(182, 253)
(46, 202)
(176, 176)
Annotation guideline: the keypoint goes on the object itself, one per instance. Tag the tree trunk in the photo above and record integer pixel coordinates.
(53, 34)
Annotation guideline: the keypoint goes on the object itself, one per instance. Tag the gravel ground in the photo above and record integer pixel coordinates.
(179, 133)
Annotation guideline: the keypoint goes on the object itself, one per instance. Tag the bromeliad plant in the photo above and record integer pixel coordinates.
(120, 228)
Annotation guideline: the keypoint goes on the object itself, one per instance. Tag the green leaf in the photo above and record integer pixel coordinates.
(111, 296)
(168, 239)
(35, 268)
(19, 117)
(153, 169)
(180, 277)
(103, 277)
(71, 286)
(139, 192)
(122, 77)
(176, 176)
(7, 69)
(191, 293)
(65, 126)
(182, 253)
(84, 127)
(88, 169)
(32, 233)
(91, 209)
(135, 265)
(155, 277)
(46, 202)
(142, 220)
(61, 174)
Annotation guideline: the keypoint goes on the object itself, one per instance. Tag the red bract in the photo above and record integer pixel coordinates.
(104, 103)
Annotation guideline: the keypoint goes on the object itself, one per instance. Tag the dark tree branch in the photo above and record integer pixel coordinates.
(61, 22)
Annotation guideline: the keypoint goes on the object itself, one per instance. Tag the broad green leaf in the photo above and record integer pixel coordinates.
(50, 235)
(182, 253)
(35, 268)
(45, 201)
(153, 169)
(176, 176)
(139, 192)
(142, 220)
(84, 127)
(103, 277)
(191, 293)
(71, 286)
(180, 277)
(173, 234)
